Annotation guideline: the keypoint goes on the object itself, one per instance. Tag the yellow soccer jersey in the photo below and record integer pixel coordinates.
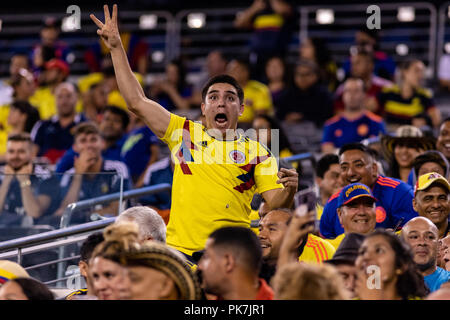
(256, 98)
(214, 182)
(316, 250)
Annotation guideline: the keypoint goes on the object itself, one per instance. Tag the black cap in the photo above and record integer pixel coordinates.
(348, 249)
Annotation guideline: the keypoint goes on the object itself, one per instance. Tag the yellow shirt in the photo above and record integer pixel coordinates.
(213, 183)
(316, 250)
(257, 97)
(4, 128)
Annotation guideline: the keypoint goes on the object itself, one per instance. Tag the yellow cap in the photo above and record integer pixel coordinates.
(428, 179)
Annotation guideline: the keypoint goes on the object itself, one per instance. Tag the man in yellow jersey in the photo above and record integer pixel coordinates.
(217, 170)
(272, 229)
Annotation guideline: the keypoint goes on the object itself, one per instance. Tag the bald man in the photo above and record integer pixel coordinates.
(422, 235)
(53, 137)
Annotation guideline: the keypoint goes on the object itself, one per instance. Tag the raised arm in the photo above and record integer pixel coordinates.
(154, 115)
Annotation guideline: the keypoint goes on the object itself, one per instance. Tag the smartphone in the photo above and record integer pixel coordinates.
(306, 197)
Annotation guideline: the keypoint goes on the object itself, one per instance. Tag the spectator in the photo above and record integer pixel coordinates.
(422, 235)
(356, 211)
(11, 270)
(362, 67)
(368, 40)
(23, 85)
(44, 98)
(53, 137)
(159, 172)
(431, 200)
(399, 278)
(441, 294)
(277, 77)
(344, 261)
(151, 225)
(172, 92)
(158, 272)
(315, 49)
(401, 149)
(272, 23)
(424, 123)
(230, 265)
(296, 281)
(95, 100)
(25, 289)
(327, 179)
(429, 161)
(306, 99)
(27, 191)
(50, 47)
(272, 229)
(140, 150)
(228, 199)
(446, 259)
(443, 139)
(394, 205)
(108, 277)
(18, 62)
(443, 72)
(257, 95)
(92, 175)
(86, 250)
(444, 245)
(408, 98)
(216, 64)
(268, 130)
(355, 123)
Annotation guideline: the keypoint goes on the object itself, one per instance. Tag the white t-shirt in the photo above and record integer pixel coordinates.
(444, 67)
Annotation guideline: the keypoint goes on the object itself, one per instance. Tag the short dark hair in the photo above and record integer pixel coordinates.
(120, 112)
(85, 128)
(355, 146)
(241, 241)
(34, 289)
(32, 113)
(430, 156)
(324, 164)
(223, 78)
(88, 246)
(20, 137)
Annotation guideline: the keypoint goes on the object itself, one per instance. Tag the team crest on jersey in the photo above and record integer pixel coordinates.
(237, 156)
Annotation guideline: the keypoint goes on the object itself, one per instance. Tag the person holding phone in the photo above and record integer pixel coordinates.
(26, 189)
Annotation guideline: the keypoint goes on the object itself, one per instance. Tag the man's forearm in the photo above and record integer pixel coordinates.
(31, 205)
(3, 192)
(283, 199)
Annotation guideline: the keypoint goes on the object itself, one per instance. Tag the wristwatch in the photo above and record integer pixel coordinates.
(25, 183)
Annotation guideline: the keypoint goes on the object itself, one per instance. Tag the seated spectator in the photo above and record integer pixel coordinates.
(140, 150)
(92, 175)
(151, 225)
(272, 24)
(442, 258)
(394, 197)
(315, 49)
(306, 99)
(159, 172)
(444, 72)
(424, 123)
(53, 137)
(27, 191)
(429, 161)
(25, 289)
(422, 235)
(401, 149)
(344, 261)
(23, 85)
(443, 139)
(230, 265)
(95, 100)
(431, 200)
(257, 95)
(399, 278)
(86, 250)
(50, 46)
(277, 77)
(216, 64)
(368, 40)
(172, 92)
(355, 123)
(362, 67)
(272, 229)
(18, 62)
(400, 102)
(297, 281)
(327, 179)
(107, 276)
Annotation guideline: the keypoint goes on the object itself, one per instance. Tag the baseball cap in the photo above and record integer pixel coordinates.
(427, 179)
(11, 270)
(58, 64)
(352, 192)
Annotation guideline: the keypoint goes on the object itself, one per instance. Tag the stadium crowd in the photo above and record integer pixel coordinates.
(374, 227)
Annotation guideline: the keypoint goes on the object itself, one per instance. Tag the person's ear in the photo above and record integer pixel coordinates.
(414, 204)
(202, 107)
(167, 288)
(340, 213)
(83, 266)
(241, 109)
(319, 181)
(229, 262)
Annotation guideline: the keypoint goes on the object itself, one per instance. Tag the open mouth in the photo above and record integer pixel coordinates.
(221, 119)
